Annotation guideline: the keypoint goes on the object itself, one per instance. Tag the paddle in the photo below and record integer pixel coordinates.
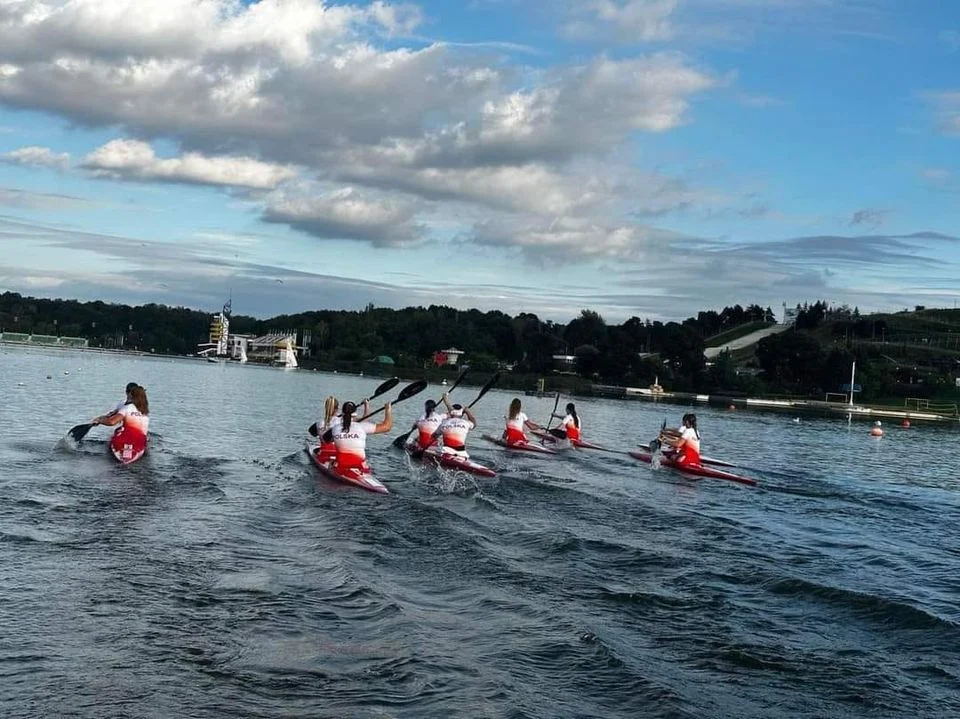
(78, 432)
(385, 387)
(402, 439)
(412, 389)
(483, 390)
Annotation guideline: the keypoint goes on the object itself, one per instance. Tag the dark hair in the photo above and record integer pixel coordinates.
(348, 409)
(429, 406)
(514, 407)
(130, 386)
(692, 419)
(572, 411)
(138, 395)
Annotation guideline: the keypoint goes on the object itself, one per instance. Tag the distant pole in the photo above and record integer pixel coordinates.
(853, 377)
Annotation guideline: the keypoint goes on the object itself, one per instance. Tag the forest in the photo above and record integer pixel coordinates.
(907, 354)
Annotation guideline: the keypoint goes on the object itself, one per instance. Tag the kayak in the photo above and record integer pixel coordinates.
(697, 471)
(450, 461)
(703, 459)
(126, 453)
(364, 480)
(519, 446)
(578, 443)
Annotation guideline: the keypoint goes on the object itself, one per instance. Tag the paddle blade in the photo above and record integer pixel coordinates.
(491, 383)
(312, 429)
(401, 439)
(410, 390)
(78, 432)
(385, 387)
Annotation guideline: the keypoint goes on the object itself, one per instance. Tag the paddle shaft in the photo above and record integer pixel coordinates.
(402, 439)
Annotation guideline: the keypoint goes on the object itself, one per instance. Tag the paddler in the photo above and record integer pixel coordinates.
(517, 421)
(454, 429)
(328, 450)
(429, 422)
(350, 439)
(685, 443)
(569, 424)
(133, 418)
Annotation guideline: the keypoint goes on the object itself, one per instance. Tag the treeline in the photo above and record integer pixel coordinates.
(811, 359)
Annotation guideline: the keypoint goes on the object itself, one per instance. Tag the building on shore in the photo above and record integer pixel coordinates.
(22, 338)
(449, 357)
(276, 348)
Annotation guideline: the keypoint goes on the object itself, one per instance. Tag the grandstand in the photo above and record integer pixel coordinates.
(43, 340)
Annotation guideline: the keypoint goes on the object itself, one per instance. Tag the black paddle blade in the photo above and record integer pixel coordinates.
(410, 390)
(312, 429)
(491, 383)
(401, 439)
(385, 387)
(78, 432)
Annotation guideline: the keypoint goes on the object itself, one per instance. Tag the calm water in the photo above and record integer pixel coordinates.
(221, 577)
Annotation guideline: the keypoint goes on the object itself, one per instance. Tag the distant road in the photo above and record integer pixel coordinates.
(745, 341)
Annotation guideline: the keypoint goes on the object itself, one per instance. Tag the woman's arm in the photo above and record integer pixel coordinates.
(469, 415)
(109, 419)
(387, 424)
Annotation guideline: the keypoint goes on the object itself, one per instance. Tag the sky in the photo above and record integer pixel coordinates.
(647, 158)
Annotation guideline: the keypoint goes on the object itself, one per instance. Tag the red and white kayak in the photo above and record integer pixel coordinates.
(448, 460)
(126, 454)
(365, 480)
(696, 471)
(519, 446)
(578, 443)
(703, 459)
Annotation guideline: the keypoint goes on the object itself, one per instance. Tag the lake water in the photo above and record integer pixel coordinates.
(221, 577)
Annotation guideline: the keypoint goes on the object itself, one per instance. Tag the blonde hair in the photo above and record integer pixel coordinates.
(514, 408)
(330, 407)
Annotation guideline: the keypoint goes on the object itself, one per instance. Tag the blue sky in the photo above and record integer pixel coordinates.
(637, 157)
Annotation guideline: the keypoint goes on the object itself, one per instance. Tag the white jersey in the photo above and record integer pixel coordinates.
(455, 430)
(689, 436)
(133, 419)
(429, 425)
(353, 440)
(518, 422)
(323, 426)
(120, 406)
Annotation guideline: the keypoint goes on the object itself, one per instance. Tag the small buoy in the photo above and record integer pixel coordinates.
(875, 431)
(66, 372)
(49, 376)
(731, 407)
(906, 424)
(796, 420)
(21, 384)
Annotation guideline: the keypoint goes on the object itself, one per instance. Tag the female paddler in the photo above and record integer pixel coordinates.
(569, 424)
(134, 420)
(349, 437)
(685, 443)
(517, 421)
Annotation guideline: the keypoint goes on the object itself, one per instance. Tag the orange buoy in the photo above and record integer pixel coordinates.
(875, 431)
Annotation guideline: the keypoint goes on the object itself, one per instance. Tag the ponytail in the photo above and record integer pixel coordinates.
(514, 408)
(572, 411)
(138, 395)
(330, 406)
(348, 409)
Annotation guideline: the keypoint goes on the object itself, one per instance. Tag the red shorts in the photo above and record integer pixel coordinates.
(326, 451)
(425, 439)
(515, 436)
(347, 462)
(687, 458)
(573, 434)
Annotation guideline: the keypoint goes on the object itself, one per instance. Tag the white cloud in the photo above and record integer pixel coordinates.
(935, 175)
(347, 213)
(624, 20)
(34, 156)
(136, 160)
